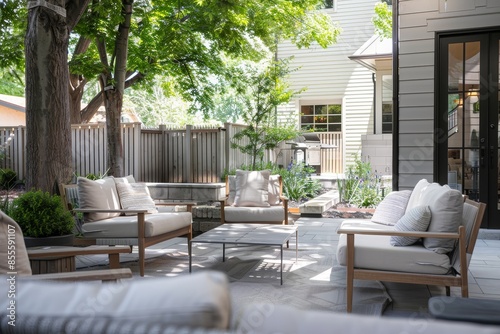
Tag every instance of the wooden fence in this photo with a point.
(190, 154)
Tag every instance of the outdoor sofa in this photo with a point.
(424, 236)
(120, 211)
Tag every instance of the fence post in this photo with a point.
(186, 173)
(227, 145)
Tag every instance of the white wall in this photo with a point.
(330, 76)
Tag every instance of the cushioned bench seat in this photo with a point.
(126, 226)
(253, 214)
(376, 252)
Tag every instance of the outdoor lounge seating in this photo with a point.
(424, 238)
(198, 303)
(254, 197)
(119, 211)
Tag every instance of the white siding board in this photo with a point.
(416, 100)
(416, 73)
(463, 22)
(417, 60)
(420, 6)
(416, 113)
(415, 34)
(416, 126)
(416, 86)
(425, 45)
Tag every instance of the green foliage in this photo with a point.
(360, 186)
(40, 214)
(297, 182)
(268, 89)
(382, 20)
(8, 178)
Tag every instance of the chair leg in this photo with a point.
(142, 255)
(350, 271)
(448, 291)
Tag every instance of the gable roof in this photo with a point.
(373, 49)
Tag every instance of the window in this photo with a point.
(388, 2)
(387, 109)
(327, 4)
(321, 117)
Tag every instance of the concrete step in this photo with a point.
(316, 206)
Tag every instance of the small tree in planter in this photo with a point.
(263, 91)
(43, 219)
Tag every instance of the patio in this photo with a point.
(317, 241)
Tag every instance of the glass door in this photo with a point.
(468, 119)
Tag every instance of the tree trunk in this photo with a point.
(113, 96)
(48, 143)
(113, 102)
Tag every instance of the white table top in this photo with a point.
(252, 234)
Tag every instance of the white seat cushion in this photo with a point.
(126, 226)
(198, 300)
(236, 214)
(376, 252)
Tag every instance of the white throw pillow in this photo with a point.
(125, 179)
(135, 196)
(252, 188)
(416, 194)
(392, 208)
(446, 205)
(274, 190)
(231, 179)
(99, 194)
(417, 219)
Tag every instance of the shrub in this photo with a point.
(8, 178)
(40, 214)
(360, 186)
(297, 182)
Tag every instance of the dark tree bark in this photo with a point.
(48, 143)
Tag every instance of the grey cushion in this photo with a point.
(446, 206)
(13, 255)
(135, 196)
(100, 194)
(198, 300)
(392, 207)
(252, 188)
(376, 252)
(236, 214)
(417, 219)
(126, 226)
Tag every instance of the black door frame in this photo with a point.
(489, 39)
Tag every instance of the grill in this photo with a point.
(307, 148)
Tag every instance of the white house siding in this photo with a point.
(419, 21)
(331, 77)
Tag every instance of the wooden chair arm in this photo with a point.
(63, 251)
(441, 235)
(134, 211)
(89, 275)
(189, 205)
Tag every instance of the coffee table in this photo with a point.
(248, 234)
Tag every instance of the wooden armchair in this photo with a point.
(364, 241)
(250, 199)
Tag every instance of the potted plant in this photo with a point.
(43, 219)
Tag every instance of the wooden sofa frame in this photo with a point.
(454, 279)
(142, 241)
